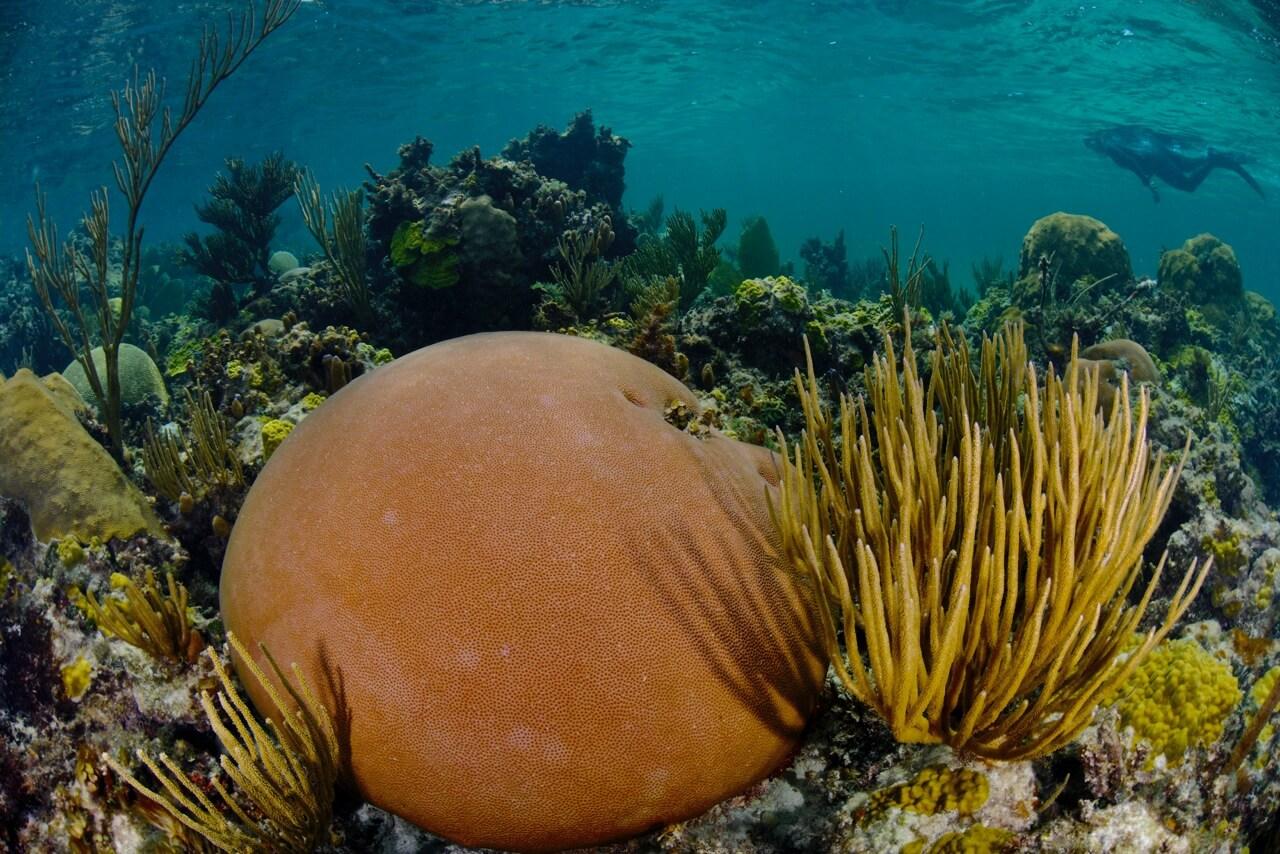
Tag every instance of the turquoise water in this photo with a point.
(966, 117)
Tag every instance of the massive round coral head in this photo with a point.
(544, 614)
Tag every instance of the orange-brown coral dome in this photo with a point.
(545, 615)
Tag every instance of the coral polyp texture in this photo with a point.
(544, 614)
(1179, 698)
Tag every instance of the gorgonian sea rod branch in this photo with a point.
(975, 541)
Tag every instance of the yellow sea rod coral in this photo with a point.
(283, 773)
(154, 620)
(976, 540)
(1179, 698)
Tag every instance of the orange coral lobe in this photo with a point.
(542, 615)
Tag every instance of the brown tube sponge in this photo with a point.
(543, 614)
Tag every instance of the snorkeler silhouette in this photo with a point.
(1181, 162)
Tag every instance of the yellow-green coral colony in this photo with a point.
(933, 790)
(274, 432)
(76, 678)
(1179, 699)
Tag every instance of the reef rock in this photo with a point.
(543, 599)
(580, 156)
(67, 482)
(1204, 271)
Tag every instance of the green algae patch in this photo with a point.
(428, 262)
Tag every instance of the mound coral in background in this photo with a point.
(139, 377)
(543, 597)
(1079, 246)
(1204, 271)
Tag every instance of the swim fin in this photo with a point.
(1235, 163)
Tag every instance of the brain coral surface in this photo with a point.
(544, 616)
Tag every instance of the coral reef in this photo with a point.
(475, 236)
(535, 590)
